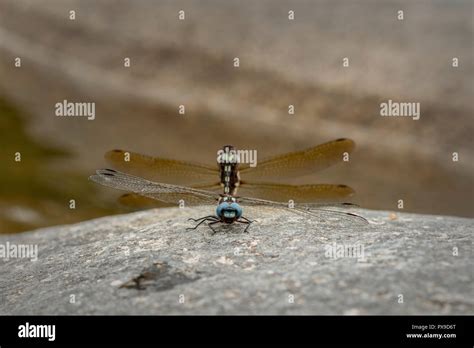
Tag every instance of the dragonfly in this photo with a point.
(170, 181)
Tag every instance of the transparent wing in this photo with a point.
(161, 169)
(298, 163)
(162, 192)
(297, 193)
(320, 211)
(135, 201)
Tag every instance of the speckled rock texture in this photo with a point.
(148, 263)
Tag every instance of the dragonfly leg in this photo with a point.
(206, 218)
(248, 223)
(213, 223)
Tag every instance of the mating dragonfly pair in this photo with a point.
(171, 181)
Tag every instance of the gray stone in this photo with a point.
(147, 263)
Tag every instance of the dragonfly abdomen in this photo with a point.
(229, 171)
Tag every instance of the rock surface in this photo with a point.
(147, 263)
(282, 63)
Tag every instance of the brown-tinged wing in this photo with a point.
(297, 193)
(162, 192)
(161, 169)
(298, 163)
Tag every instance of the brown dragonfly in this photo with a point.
(171, 181)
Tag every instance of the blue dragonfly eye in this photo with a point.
(219, 208)
(230, 211)
(237, 208)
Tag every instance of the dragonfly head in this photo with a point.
(229, 210)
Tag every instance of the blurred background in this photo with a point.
(190, 62)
